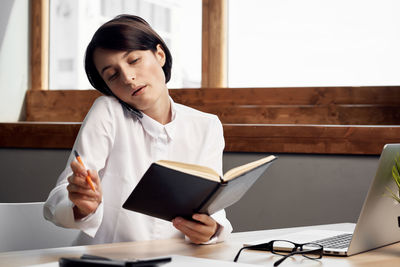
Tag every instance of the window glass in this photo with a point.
(313, 43)
(73, 23)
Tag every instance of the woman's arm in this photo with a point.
(93, 143)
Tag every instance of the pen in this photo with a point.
(88, 179)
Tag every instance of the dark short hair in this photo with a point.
(123, 33)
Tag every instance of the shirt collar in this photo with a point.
(155, 129)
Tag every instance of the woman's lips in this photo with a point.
(138, 90)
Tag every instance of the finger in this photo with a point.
(205, 224)
(94, 176)
(78, 168)
(78, 198)
(205, 219)
(78, 180)
(194, 230)
(73, 188)
(84, 205)
(194, 236)
(81, 175)
(195, 226)
(85, 201)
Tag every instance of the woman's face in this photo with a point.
(136, 77)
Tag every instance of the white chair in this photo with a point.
(22, 227)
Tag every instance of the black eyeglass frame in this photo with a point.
(297, 249)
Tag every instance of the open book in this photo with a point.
(170, 189)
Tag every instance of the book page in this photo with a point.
(235, 172)
(193, 169)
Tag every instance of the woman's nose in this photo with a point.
(128, 77)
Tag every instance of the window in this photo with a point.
(73, 23)
(313, 43)
(345, 107)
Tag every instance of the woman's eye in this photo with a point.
(133, 61)
(112, 77)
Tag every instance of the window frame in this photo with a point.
(243, 137)
(214, 44)
(39, 44)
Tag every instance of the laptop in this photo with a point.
(378, 224)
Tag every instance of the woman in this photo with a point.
(135, 124)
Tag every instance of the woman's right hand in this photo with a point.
(80, 193)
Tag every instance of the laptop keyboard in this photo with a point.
(339, 241)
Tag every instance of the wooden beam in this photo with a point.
(254, 119)
(214, 44)
(39, 21)
(309, 114)
(56, 105)
(363, 95)
(38, 135)
(309, 139)
(330, 105)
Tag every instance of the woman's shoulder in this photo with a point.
(105, 108)
(106, 105)
(105, 101)
(195, 115)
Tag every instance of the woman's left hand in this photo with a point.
(198, 232)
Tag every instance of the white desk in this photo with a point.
(382, 257)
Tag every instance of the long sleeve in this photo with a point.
(93, 143)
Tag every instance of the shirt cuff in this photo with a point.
(225, 227)
(215, 238)
(64, 216)
(91, 223)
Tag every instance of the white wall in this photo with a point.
(14, 58)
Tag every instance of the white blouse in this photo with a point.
(121, 147)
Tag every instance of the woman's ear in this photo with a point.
(160, 55)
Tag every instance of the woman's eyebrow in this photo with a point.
(104, 69)
(127, 53)
(109, 66)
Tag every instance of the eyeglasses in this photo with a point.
(286, 249)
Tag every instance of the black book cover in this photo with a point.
(167, 193)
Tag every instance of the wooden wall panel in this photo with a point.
(331, 120)
(59, 105)
(38, 135)
(311, 139)
(338, 115)
(330, 105)
(376, 95)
